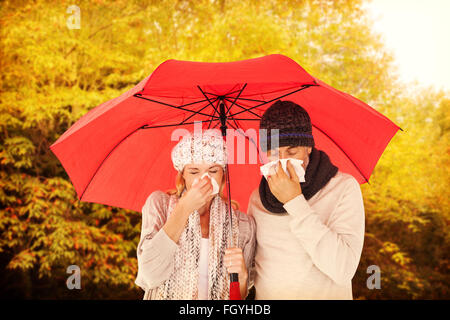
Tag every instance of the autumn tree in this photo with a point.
(51, 75)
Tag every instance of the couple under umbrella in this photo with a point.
(294, 240)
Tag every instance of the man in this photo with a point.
(309, 234)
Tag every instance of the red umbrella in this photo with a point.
(119, 152)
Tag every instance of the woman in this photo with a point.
(184, 248)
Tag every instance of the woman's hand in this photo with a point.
(235, 263)
(283, 187)
(197, 196)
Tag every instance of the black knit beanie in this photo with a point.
(293, 123)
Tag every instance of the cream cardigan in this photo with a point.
(313, 251)
(156, 251)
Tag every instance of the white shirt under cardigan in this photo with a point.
(313, 251)
(203, 269)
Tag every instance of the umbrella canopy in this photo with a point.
(119, 152)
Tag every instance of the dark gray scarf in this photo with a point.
(318, 172)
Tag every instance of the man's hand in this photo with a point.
(283, 187)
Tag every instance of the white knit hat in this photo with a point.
(200, 146)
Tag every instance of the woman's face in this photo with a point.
(196, 170)
(299, 152)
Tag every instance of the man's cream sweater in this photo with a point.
(312, 251)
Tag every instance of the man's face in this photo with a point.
(298, 152)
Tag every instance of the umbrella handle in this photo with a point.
(235, 291)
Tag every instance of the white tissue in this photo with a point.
(270, 168)
(213, 182)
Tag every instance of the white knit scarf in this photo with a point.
(183, 282)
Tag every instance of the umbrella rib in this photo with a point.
(199, 88)
(245, 85)
(216, 124)
(209, 125)
(214, 112)
(198, 112)
(138, 95)
(218, 95)
(167, 125)
(188, 104)
(251, 100)
(240, 91)
(284, 95)
(237, 125)
(183, 105)
(245, 109)
(247, 119)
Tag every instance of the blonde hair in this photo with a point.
(180, 184)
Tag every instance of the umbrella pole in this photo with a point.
(235, 292)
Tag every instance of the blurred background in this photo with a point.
(391, 54)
